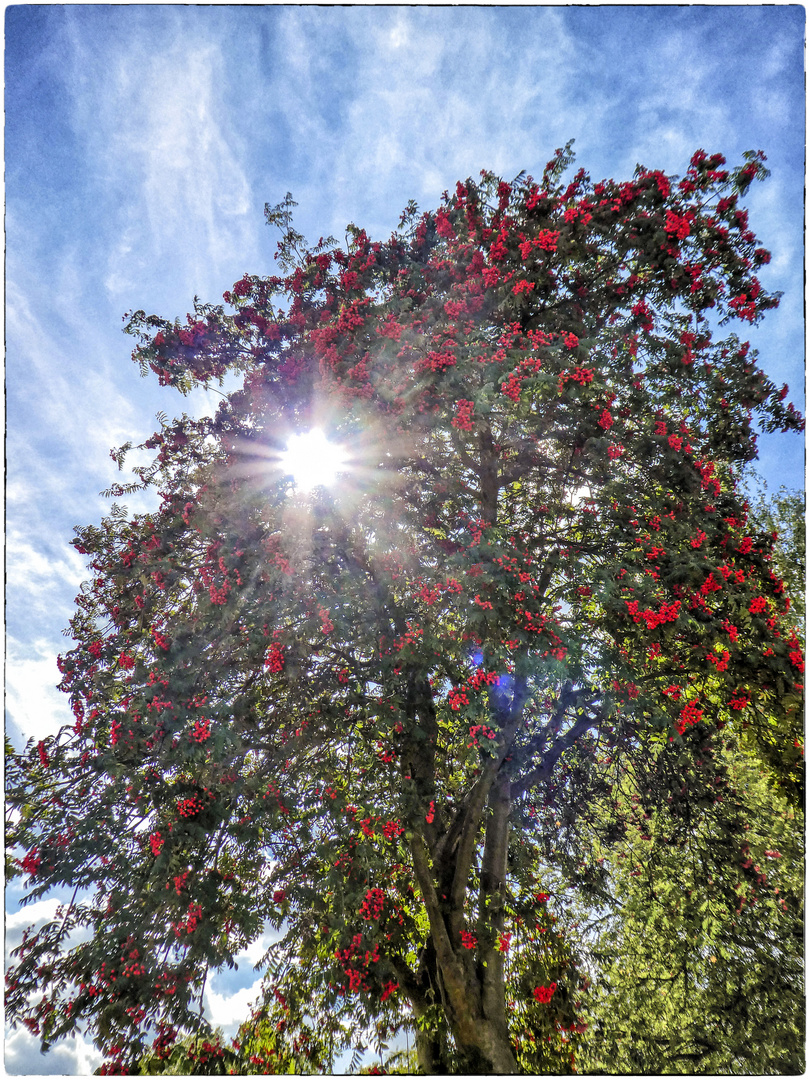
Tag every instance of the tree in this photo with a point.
(697, 944)
(379, 717)
(783, 514)
(699, 959)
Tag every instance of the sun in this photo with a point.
(312, 460)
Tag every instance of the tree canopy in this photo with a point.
(398, 718)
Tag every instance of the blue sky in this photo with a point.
(142, 143)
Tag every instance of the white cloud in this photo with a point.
(225, 1007)
(228, 1010)
(40, 912)
(33, 703)
(256, 950)
(399, 35)
(72, 1057)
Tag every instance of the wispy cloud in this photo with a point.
(156, 132)
(39, 571)
(48, 380)
(429, 106)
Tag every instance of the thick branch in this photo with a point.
(451, 969)
(420, 763)
(470, 824)
(488, 475)
(550, 759)
(409, 984)
(473, 813)
(491, 905)
(567, 698)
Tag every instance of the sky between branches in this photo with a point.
(142, 143)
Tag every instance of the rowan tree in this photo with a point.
(381, 716)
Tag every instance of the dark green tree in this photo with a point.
(380, 717)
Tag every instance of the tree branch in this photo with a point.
(473, 814)
(452, 972)
(550, 759)
(491, 905)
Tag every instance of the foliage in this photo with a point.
(783, 515)
(697, 948)
(700, 960)
(193, 1055)
(385, 720)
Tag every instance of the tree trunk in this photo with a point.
(483, 1039)
(471, 983)
(472, 990)
(431, 1053)
(482, 1047)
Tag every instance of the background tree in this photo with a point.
(783, 513)
(697, 948)
(376, 717)
(698, 953)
